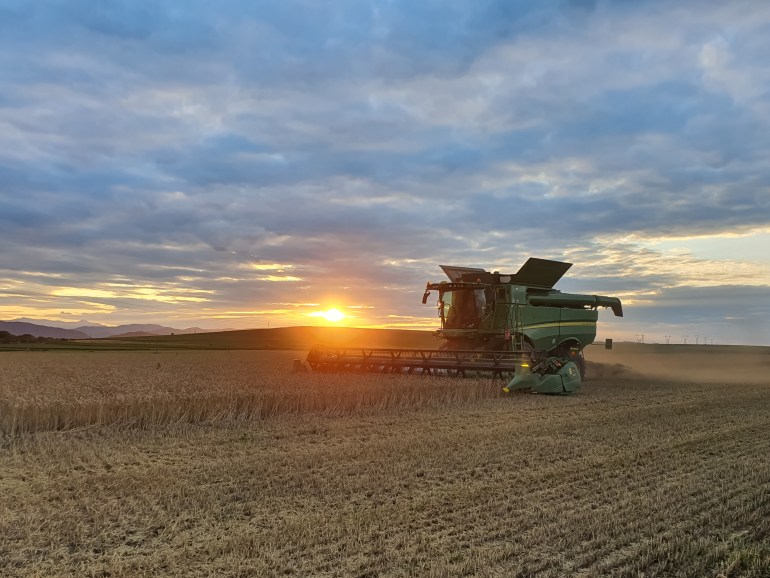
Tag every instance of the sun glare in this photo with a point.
(332, 315)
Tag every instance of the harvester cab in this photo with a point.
(506, 324)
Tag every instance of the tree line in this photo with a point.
(6, 337)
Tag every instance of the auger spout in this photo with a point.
(574, 301)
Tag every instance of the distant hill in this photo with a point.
(22, 328)
(289, 338)
(99, 331)
(92, 331)
(56, 322)
(138, 336)
(134, 334)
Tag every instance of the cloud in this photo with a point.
(359, 144)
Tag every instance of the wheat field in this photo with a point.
(174, 464)
(62, 390)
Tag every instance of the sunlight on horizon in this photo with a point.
(333, 315)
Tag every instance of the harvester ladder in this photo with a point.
(517, 339)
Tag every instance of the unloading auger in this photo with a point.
(513, 326)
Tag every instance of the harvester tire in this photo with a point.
(580, 361)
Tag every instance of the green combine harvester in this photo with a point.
(505, 325)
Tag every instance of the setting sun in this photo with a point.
(333, 315)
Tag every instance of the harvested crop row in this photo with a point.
(626, 478)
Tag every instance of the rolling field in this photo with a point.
(280, 338)
(200, 463)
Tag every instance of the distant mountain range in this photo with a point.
(23, 326)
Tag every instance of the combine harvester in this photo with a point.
(496, 324)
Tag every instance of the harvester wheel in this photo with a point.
(580, 361)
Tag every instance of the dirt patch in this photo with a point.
(726, 364)
(597, 370)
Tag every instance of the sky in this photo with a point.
(241, 164)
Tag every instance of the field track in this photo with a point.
(632, 477)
